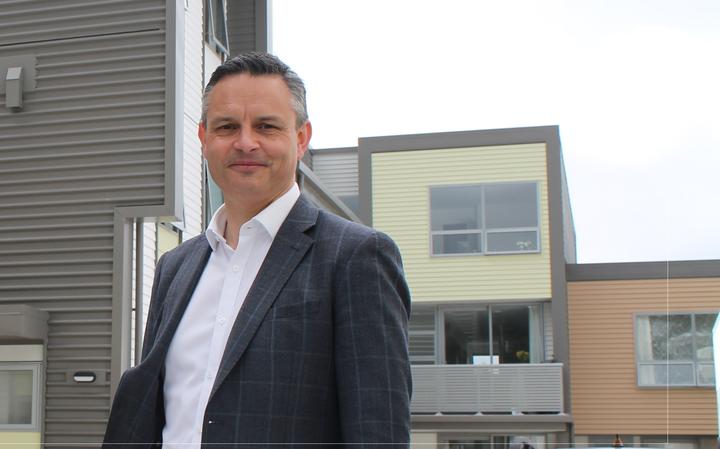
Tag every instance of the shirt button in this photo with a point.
(236, 268)
(209, 376)
(221, 321)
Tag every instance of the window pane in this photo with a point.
(510, 331)
(512, 241)
(219, 22)
(706, 374)
(16, 387)
(703, 336)
(671, 337)
(457, 243)
(662, 374)
(479, 442)
(455, 208)
(467, 337)
(510, 205)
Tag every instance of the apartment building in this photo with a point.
(642, 352)
(483, 221)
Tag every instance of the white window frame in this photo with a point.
(694, 362)
(34, 425)
(483, 231)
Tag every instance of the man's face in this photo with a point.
(250, 138)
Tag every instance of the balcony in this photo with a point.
(488, 389)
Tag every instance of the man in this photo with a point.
(283, 325)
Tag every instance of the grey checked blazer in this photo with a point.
(318, 354)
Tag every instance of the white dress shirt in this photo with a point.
(197, 347)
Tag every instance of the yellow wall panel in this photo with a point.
(401, 208)
(19, 440)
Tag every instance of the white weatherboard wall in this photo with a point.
(401, 208)
(192, 154)
(192, 158)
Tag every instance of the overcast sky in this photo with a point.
(633, 85)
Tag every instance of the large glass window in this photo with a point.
(493, 334)
(18, 396)
(484, 218)
(675, 349)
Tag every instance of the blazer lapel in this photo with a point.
(287, 250)
(181, 289)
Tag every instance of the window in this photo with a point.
(215, 26)
(675, 350)
(484, 219)
(19, 396)
(671, 442)
(493, 334)
(480, 441)
(486, 334)
(213, 196)
(168, 237)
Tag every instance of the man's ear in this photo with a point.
(201, 136)
(304, 134)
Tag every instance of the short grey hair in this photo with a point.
(259, 64)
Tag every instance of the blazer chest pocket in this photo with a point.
(293, 310)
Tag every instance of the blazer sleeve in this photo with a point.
(372, 308)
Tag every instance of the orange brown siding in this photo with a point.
(605, 395)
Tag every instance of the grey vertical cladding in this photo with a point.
(568, 223)
(247, 22)
(90, 138)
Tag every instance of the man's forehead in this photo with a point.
(263, 94)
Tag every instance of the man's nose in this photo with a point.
(245, 139)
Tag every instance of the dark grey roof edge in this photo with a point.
(673, 269)
(458, 139)
(333, 150)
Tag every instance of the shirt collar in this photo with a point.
(270, 218)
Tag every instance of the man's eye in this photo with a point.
(266, 126)
(226, 126)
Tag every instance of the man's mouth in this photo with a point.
(244, 163)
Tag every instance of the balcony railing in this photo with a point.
(488, 389)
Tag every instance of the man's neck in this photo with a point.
(240, 212)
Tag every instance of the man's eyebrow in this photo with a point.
(221, 119)
(269, 118)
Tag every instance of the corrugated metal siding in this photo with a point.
(338, 171)
(605, 396)
(90, 138)
(401, 204)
